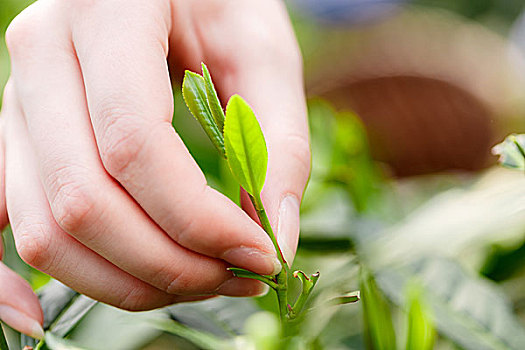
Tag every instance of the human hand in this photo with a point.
(101, 192)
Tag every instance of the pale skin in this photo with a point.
(100, 191)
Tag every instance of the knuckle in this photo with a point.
(276, 43)
(33, 242)
(188, 280)
(72, 203)
(134, 298)
(24, 32)
(185, 230)
(182, 284)
(299, 149)
(122, 139)
(19, 35)
(188, 227)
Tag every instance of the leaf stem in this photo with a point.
(265, 222)
(282, 277)
(238, 272)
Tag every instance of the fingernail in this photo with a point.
(253, 259)
(288, 228)
(242, 287)
(21, 322)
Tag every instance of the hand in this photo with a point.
(101, 192)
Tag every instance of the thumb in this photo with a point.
(276, 95)
(266, 70)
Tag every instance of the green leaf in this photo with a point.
(213, 99)
(194, 94)
(63, 309)
(245, 146)
(54, 342)
(242, 273)
(222, 317)
(512, 152)
(468, 310)
(201, 339)
(379, 329)
(308, 284)
(420, 328)
(75, 312)
(3, 341)
(348, 298)
(264, 330)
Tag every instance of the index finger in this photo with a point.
(130, 103)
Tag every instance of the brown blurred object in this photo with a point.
(434, 91)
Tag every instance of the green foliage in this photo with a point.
(54, 342)
(213, 99)
(379, 330)
(471, 312)
(512, 152)
(348, 298)
(504, 262)
(3, 341)
(63, 310)
(202, 339)
(242, 273)
(262, 329)
(420, 330)
(194, 93)
(307, 283)
(340, 154)
(245, 146)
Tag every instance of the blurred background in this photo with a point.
(407, 98)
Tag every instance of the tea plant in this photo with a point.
(238, 138)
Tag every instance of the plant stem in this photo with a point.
(261, 213)
(282, 277)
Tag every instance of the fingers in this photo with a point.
(44, 245)
(130, 104)
(84, 200)
(268, 74)
(19, 306)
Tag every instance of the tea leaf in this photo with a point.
(222, 317)
(194, 94)
(471, 312)
(379, 328)
(63, 309)
(72, 315)
(213, 99)
(245, 146)
(512, 152)
(348, 298)
(420, 330)
(242, 273)
(201, 339)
